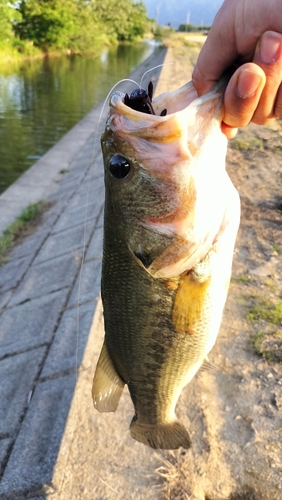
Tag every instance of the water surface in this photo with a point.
(41, 100)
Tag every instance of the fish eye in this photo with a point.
(119, 167)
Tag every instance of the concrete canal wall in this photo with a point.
(39, 350)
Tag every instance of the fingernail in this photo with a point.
(247, 84)
(269, 47)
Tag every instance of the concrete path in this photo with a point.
(39, 346)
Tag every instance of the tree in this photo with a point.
(75, 24)
(7, 17)
(57, 24)
(125, 20)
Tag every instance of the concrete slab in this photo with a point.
(95, 248)
(17, 375)
(65, 242)
(4, 298)
(12, 272)
(31, 244)
(77, 216)
(37, 498)
(47, 277)
(63, 195)
(5, 445)
(100, 221)
(88, 194)
(94, 163)
(31, 324)
(54, 212)
(34, 454)
(70, 340)
(71, 181)
(87, 285)
(70, 176)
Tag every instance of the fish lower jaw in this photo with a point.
(167, 435)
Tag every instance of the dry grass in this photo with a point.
(176, 475)
(178, 484)
(186, 40)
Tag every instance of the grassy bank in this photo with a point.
(23, 226)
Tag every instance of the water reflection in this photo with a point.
(41, 100)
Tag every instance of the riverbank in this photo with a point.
(54, 444)
(42, 100)
(15, 58)
(40, 353)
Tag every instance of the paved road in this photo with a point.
(39, 287)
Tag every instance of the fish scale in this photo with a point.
(170, 225)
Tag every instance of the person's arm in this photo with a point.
(247, 33)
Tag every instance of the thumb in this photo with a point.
(218, 53)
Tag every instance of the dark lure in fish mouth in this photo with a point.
(140, 100)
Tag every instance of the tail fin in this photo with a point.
(167, 436)
(107, 385)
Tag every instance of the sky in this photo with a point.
(198, 12)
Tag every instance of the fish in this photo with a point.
(170, 224)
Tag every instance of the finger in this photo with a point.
(242, 95)
(217, 54)
(268, 56)
(278, 103)
(230, 132)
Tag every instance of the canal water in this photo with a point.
(41, 100)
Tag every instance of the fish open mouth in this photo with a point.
(170, 102)
(186, 116)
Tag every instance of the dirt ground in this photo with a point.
(234, 412)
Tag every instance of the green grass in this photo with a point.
(251, 145)
(271, 284)
(268, 339)
(268, 345)
(266, 311)
(22, 226)
(243, 278)
(277, 248)
(257, 341)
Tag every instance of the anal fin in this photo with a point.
(107, 385)
(207, 365)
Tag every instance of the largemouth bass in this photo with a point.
(171, 219)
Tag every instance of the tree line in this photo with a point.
(73, 25)
(191, 28)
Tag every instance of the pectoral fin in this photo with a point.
(189, 304)
(107, 385)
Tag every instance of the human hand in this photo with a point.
(240, 34)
